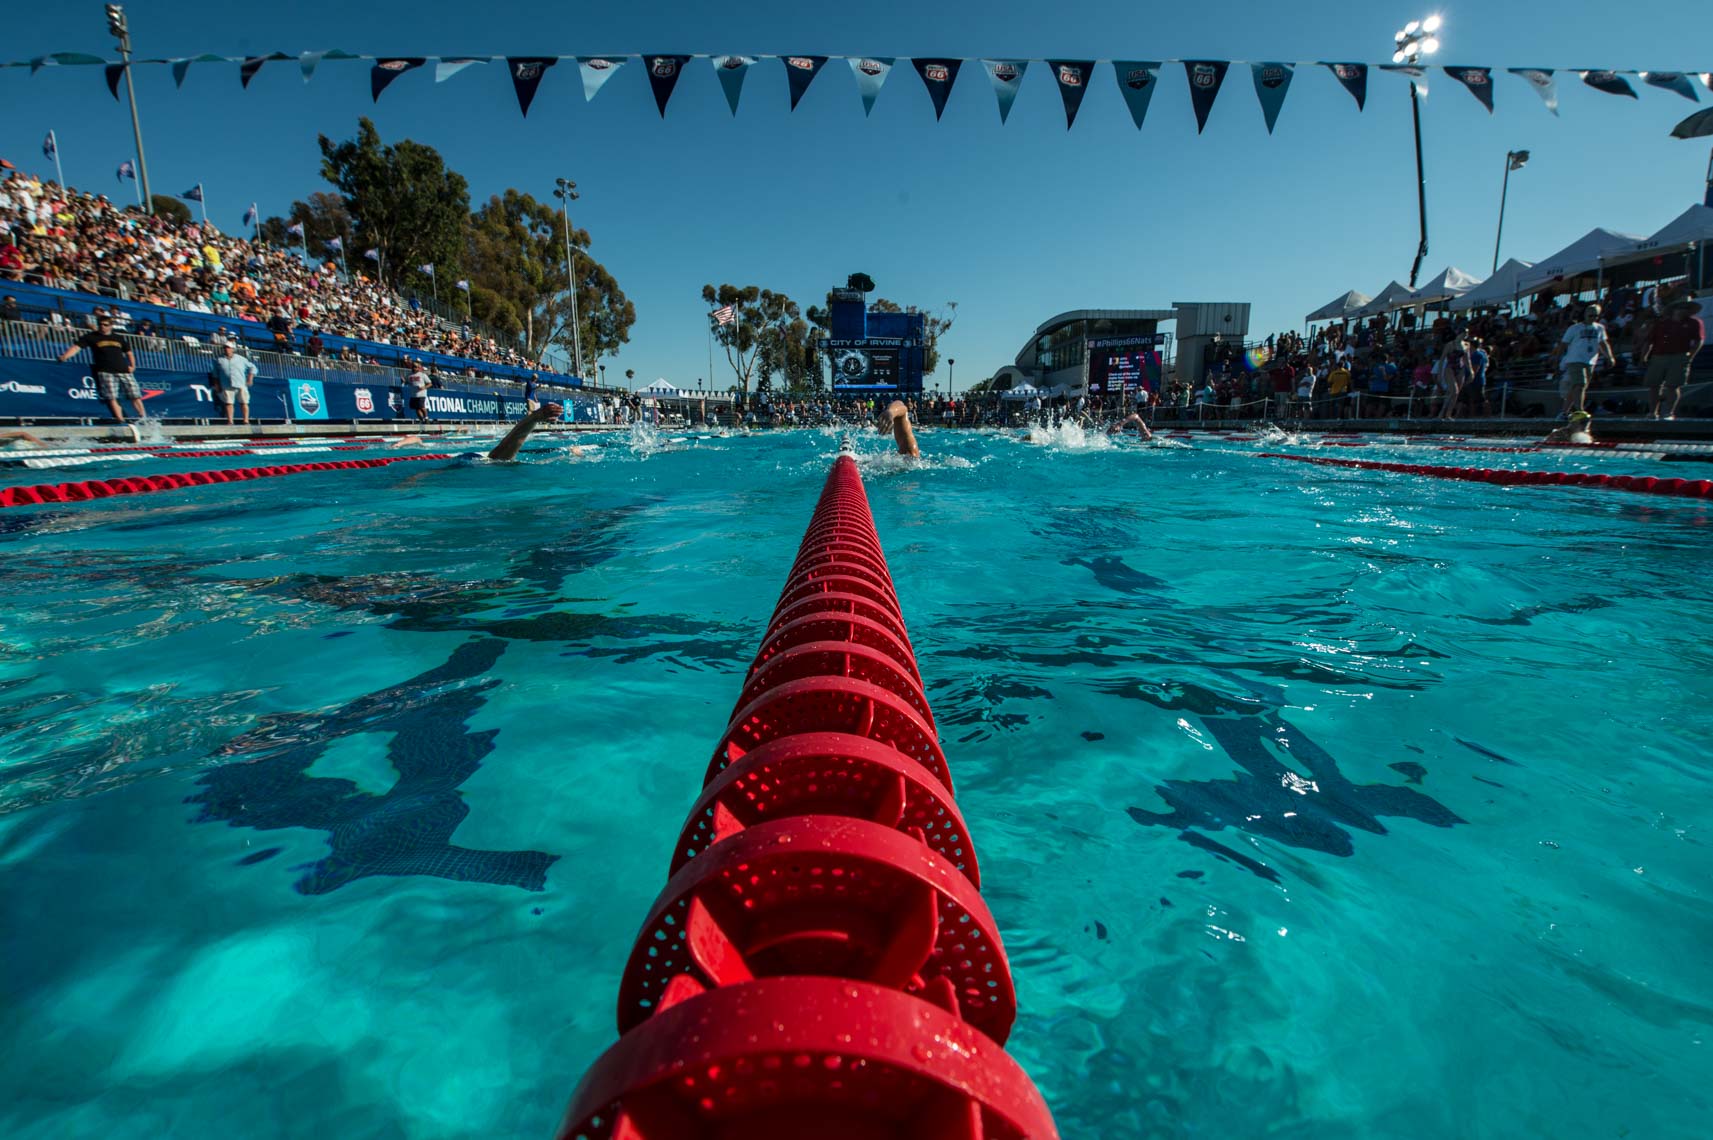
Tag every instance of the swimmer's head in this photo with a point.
(1580, 418)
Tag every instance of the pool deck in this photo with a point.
(1610, 428)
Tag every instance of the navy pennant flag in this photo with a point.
(307, 62)
(1007, 77)
(1354, 77)
(387, 70)
(731, 69)
(194, 194)
(800, 71)
(127, 170)
(527, 73)
(114, 72)
(247, 70)
(1610, 82)
(1671, 81)
(1540, 78)
(1072, 76)
(1137, 79)
(663, 72)
(1205, 76)
(870, 73)
(938, 75)
(1479, 80)
(597, 69)
(1272, 81)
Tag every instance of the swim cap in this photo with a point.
(1574, 416)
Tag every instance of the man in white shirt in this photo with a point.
(1582, 347)
(416, 388)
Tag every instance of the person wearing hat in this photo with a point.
(114, 366)
(1579, 352)
(1580, 429)
(1669, 351)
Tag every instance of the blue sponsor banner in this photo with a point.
(38, 389)
(308, 399)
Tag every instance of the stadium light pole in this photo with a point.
(1418, 38)
(951, 383)
(566, 192)
(121, 31)
(1514, 160)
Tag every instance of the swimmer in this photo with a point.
(507, 448)
(19, 439)
(407, 441)
(897, 419)
(1578, 430)
(1142, 431)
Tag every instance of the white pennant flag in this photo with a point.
(1543, 83)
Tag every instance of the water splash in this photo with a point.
(1067, 436)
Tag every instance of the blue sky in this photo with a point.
(1015, 223)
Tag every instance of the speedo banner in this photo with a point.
(44, 390)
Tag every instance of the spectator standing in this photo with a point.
(1478, 359)
(114, 365)
(1579, 351)
(317, 346)
(1670, 351)
(1338, 387)
(416, 387)
(9, 310)
(232, 375)
(280, 325)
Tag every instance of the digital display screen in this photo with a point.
(865, 369)
(1114, 372)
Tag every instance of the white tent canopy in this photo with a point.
(1340, 307)
(1393, 296)
(1020, 392)
(1693, 225)
(1449, 284)
(658, 388)
(1499, 289)
(1584, 255)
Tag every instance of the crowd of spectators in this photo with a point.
(84, 242)
(1383, 368)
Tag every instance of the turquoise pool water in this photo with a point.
(1311, 802)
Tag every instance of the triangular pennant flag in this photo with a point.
(870, 74)
(1479, 80)
(526, 73)
(1672, 81)
(597, 69)
(938, 75)
(307, 62)
(1415, 74)
(180, 68)
(114, 72)
(387, 70)
(247, 70)
(1354, 77)
(1610, 82)
(731, 69)
(1072, 76)
(1007, 77)
(1272, 81)
(37, 63)
(800, 71)
(1137, 79)
(1540, 78)
(446, 68)
(1205, 76)
(663, 73)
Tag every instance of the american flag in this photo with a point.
(725, 316)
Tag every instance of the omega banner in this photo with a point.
(34, 389)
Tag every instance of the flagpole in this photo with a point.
(59, 173)
(202, 201)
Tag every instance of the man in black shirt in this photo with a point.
(114, 366)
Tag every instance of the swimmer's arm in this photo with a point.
(508, 447)
(898, 418)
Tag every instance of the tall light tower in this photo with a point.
(1418, 38)
(567, 193)
(121, 31)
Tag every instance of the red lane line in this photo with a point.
(148, 484)
(1682, 488)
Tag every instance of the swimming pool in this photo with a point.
(1309, 800)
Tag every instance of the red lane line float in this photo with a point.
(823, 895)
(827, 773)
(820, 963)
(146, 484)
(1684, 488)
